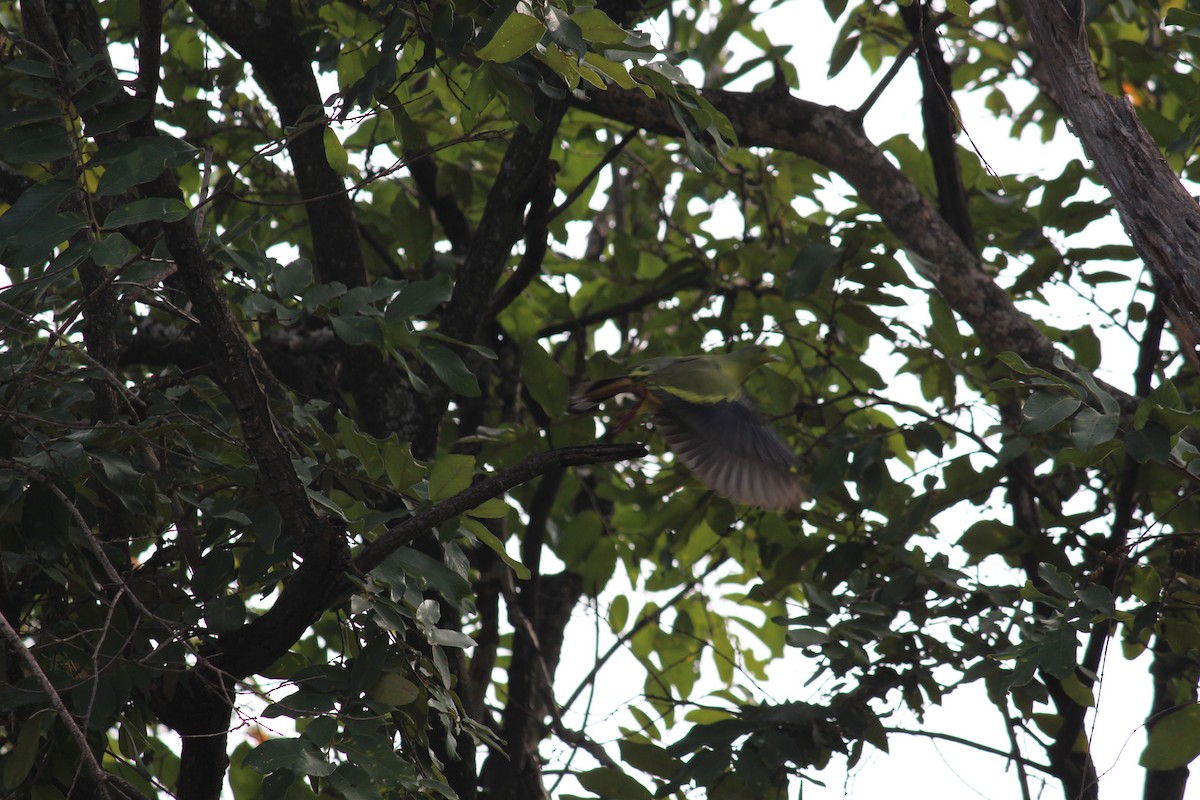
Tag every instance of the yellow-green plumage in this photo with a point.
(711, 426)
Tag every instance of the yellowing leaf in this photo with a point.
(393, 690)
(336, 153)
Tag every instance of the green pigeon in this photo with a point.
(709, 423)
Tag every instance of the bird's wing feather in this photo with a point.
(733, 452)
(733, 427)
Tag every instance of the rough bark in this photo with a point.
(835, 138)
(1161, 218)
(522, 175)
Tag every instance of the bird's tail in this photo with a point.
(592, 394)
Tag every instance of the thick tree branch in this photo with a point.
(31, 663)
(937, 114)
(149, 52)
(454, 223)
(399, 535)
(521, 175)
(268, 39)
(537, 243)
(1161, 218)
(834, 138)
(309, 594)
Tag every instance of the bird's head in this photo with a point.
(754, 355)
(741, 362)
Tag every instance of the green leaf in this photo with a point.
(1098, 599)
(450, 475)
(518, 94)
(564, 32)
(598, 28)
(113, 250)
(32, 222)
(1091, 428)
(1044, 410)
(615, 72)
(393, 690)
(613, 785)
(357, 330)
(138, 161)
(293, 278)
(335, 152)
(544, 379)
(1151, 443)
(447, 638)
(363, 447)
(944, 332)
(987, 537)
(449, 368)
(1058, 582)
(19, 760)
(26, 66)
(1056, 653)
(517, 36)
(649, 758)
(480, 532)
(1174, 740)
(161, 209)
(117, 116)
(398, 462)
(298, 755)
(809, 267)
(420, 298)
(842, 53)
(36, 144)
(618, 613)
(1145, 583)
(1075, 690)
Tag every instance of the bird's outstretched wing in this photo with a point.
(733, 451)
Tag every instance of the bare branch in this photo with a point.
(399, 535)
(31, 663)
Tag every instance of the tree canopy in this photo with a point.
(296, 295)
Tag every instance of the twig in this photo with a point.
(641, 623)
(397, 536)
(89, 758)
(609, 157)
(1016, 757)
(894, 70)
(949, 737)
(523, 623)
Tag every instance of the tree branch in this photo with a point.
(310, 592)
(937, 114)
(268, 39)
(1160, 216)
(948, 737)
(56, 702)
(521, 175)
(834, 138)
(149, 52)
(401, 534)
